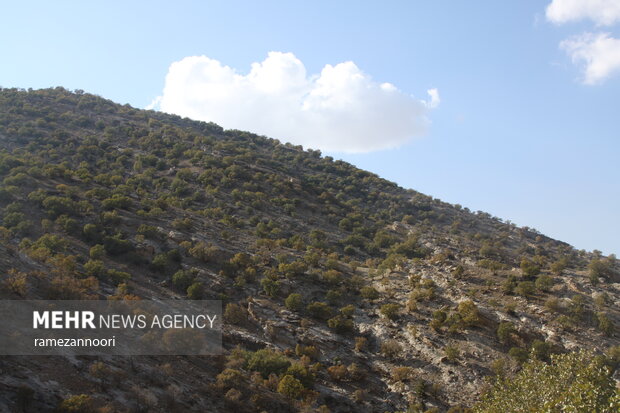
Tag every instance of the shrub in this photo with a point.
(392, 262)
(301, 373)
(525, 288)
(505, 330)
(204, 252)
(544, 283)
(92, 232)
(294, 302)
(148, 231)
(369, 293)
(573, 382)
(333, 296)
(234, 314)
(452, 353)
(541, 350)
(332, 277)
(182, 280)
(290, 387)
(17, 282)
(94, 268)
(553, 304)
(52, 242)
(195, 291)
(491, 264)
(559, 266)
(270, 286)
(319, 310)
(605, 324)
(118, 276)
(117, 245)
(577, 306)
(338, 372)
(519, 354)
(402, 373)
(116, 201)
(308, 351)
(97, 252)
(56, 206)
(267, 361)
(360, 343)
(600, 267)
(391, 348)
(341, 324)
(390, 311)
(439, 317)
(469, 313)
(347, 311)
(81, 403)
(529, 268)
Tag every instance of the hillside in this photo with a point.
(367, 296)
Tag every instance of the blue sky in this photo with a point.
(521, 130)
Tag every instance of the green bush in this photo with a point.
(573, 382)
(541, 350)
(267, 361)
(81, 403)
(605, 324)
(505, 331)
(369, 293)
(270, 286)
(116, 201)
(290, 387)
(234, 314)
(319, 310)
(301, 373)
(97, 252)
(390, 311)
(519, 354)
(525, 288)
(470, 316)
(116, 245)
(544, 283)
(182, 280)
(600, 267)
(341, 324)
(118, 276)
(294, 302)
(529, 268)
(95, 268)
(195, 291)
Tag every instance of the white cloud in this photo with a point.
(340, 109)
(599, 54)
(602, 12)
(434, 95)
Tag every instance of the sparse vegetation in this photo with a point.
(324, 269)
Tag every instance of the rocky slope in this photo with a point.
(343, 291)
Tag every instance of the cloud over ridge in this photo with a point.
(340, 109)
